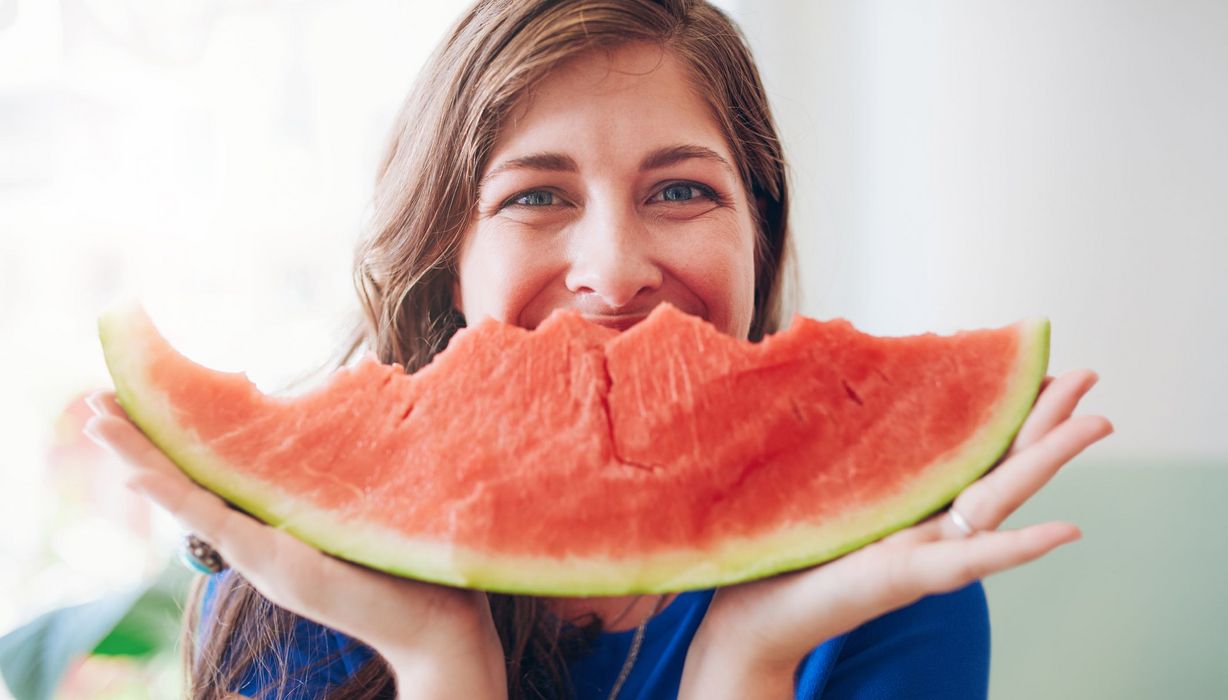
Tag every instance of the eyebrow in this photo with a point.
(558, 162)
(665, 157)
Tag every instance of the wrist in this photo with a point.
(421, 675)
(731, 670)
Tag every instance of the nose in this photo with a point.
(612, 257)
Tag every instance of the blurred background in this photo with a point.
(955, 164)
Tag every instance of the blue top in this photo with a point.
(936, 648)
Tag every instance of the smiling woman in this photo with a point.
(604, 157)
(612, 192)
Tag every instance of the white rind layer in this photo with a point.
(125, 329)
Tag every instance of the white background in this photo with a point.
(966, 163)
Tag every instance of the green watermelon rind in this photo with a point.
(937, 486)
(123, 327)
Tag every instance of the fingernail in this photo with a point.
(91, 432)
(94, 404)
(1075, 534)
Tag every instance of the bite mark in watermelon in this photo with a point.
(577, 460)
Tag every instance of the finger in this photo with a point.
(153, 473)
(103, 403)
(949, 565)
(993, 498)
(136, 452)
(273, 561)
(927, 530)
(1058, 398)
(876, 580)
(945, 566)
(288, 572)
(1056, 402)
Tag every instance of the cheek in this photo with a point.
(499, 274)
(717, 265)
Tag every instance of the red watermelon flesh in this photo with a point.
(577, 460)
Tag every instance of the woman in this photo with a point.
(602, 156)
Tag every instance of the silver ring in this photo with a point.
(961, 523)
(197, 555)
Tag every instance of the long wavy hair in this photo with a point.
(405, 266)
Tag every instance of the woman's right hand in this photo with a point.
(440, 641)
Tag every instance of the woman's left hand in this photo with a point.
(755, 634)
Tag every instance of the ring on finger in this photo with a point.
(961, 523)
(199, 556)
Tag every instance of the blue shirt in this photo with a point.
(935, 648)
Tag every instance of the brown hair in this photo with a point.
(405, 267)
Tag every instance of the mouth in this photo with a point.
(619, 323)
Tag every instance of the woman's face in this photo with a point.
(611, 189)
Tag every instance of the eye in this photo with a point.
(683, 192)
(535, 198)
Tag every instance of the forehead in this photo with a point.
(612, 100)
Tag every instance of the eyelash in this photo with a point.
(704, 191)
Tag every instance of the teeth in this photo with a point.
(619, 322)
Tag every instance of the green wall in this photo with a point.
(1139, 607)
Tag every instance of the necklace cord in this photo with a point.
(634, 651)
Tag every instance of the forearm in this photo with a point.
(716, 672)
(426, 678)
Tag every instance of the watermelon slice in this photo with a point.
(577, 460)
